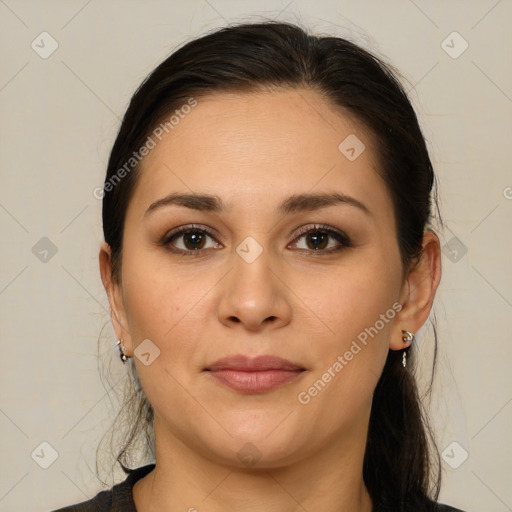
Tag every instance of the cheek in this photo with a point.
(159, 300)
(355, 296)
(358, 344)
(359, 307)
(168, 306)
(350, 361)
(166, 311)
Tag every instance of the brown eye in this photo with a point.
(193, 240)
(187, 240)
(317, 240)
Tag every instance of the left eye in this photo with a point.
(317, 239)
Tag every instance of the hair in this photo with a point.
(401, 467)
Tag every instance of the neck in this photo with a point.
(184, 479)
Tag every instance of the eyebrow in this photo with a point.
(294, 203)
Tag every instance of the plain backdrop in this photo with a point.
(60, 113)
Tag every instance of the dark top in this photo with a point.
(117, 499)
(120, 497)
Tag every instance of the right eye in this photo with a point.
(191, 238)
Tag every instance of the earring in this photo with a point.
(122, 351)
(406, 338)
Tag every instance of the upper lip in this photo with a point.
(248, 364)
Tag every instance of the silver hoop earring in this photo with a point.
(122, 351)
(407, 337)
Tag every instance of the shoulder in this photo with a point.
(102, 502)
(424, 506)
(117, 499)
(446, 508)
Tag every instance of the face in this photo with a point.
(314, 282)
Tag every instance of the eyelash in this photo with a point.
(341, 237)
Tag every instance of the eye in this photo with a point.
(192, 240)
(316, 239)
(188, 240)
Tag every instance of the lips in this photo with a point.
(256, 375)
(260, 363)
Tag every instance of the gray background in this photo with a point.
(59, 117)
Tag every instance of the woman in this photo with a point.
(268, 259)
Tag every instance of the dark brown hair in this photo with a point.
(399, 470)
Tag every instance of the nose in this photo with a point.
(254, 297)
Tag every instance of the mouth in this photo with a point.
(256, 375)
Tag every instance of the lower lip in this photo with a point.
(255, 381)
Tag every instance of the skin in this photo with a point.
(253, 151)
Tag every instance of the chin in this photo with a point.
(256, 448)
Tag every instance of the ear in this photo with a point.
(115, 297)
(418, 291)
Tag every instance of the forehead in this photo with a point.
(249, 147)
